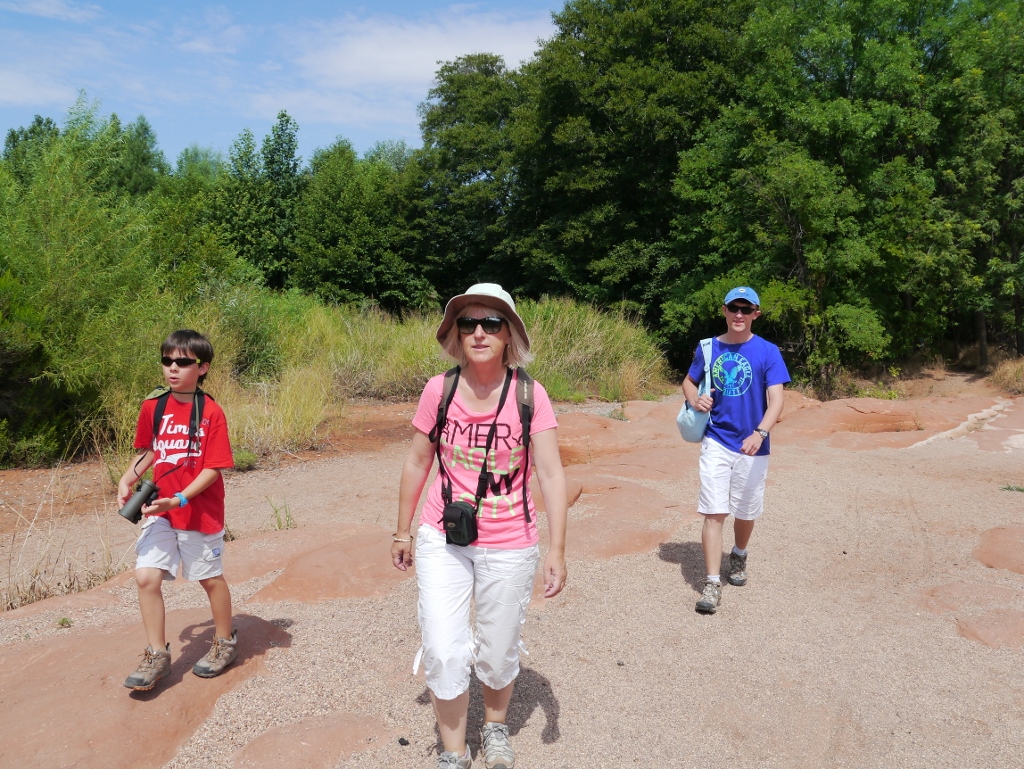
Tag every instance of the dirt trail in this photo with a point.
(883, 624)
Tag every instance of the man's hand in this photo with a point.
(752, 444)
(704, 402)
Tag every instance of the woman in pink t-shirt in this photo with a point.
(481, 449)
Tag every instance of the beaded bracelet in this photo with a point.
(395, 538)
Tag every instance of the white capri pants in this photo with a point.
(449, 577)
(731, 482)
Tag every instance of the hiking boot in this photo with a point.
(737, 569)
(452, 760)
(498, 754)
(221, 654)
(154, 666)
(708, 603)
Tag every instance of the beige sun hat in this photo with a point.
(489, 295)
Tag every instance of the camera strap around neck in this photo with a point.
(481, 486)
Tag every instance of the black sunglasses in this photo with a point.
(179, 362)
(746, 309)
(490, 325)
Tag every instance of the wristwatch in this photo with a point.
(762, 433)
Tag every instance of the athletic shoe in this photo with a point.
(709, 600)
(223, 652)
(498, 754)
(154, 666)
(451, 760)
(737, 569)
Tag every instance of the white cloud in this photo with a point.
(357, 53)
(215, 34)
(53, 9)
(18, 89)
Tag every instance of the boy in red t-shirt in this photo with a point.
(185, 524)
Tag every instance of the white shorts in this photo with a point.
(730, 482)
(449, 577)
(161, 547)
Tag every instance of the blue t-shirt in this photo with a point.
(740, 376)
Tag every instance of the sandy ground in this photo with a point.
(883, 624)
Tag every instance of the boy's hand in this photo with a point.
(124, 493)
(164, 505)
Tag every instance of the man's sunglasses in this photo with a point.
(490, 325)
(746, 309)
(179, 362)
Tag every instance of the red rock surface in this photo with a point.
(313, 743)
(1002, 548)
(63, 702)
(889, 558)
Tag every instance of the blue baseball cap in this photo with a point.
(742, 292)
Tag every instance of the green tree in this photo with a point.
(76, 286)
(460, 186)
(613, 97)
(980, 107)
(23, 145)
(137, 164)
(349, 233)
(820, 183)
(256, 206)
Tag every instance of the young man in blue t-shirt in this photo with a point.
(747, 377)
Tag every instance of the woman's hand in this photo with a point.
(554, 573)
(401, 554)
(410, 487)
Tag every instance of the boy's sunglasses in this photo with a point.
(746, 309)
(179, 362)
(490, 325)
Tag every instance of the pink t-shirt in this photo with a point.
(500, 522)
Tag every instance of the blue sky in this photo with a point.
(201, 72)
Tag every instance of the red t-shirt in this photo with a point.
(176, 465)
(500, 521)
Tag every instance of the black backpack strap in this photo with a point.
(158, 410)
(524, 400)
(162, 395)
(451, 383)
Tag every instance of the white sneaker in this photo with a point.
(452, 760)
(498, 754)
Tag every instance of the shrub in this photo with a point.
(1009, 375)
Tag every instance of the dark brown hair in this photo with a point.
(191, 342)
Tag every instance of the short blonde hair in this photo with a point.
(516, 352)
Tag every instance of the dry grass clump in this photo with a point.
(1009, 375)
(42, 561)
(581, 350)
(286, 363)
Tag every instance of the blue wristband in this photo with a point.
(181, 497)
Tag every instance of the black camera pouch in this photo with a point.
(459, 521)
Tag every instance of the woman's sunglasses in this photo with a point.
(490, 325)
(179, 362)
(746, 309)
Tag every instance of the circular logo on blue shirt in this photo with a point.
(732, 374)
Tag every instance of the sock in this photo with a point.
(717, 579)
(738, 551)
